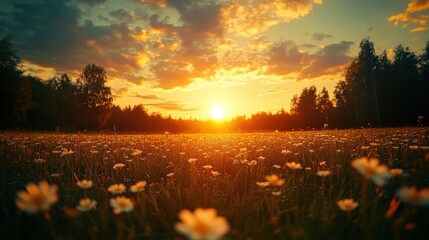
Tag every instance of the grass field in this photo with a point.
(231, 173)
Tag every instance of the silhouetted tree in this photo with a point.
(66, 97)
(343, 116)
(44, 115)
(15, 90)
(307, 108)
(405, 67)
(423, 93)
(362, 83)
(95, 97)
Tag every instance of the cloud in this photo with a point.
(51, 34)
(413, 15)
(246, 18)
(328, 60)
(320, 36)
(147, 97)
(286, 58)
(122, 15)
(172, 105)
(188, 51)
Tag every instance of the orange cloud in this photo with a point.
(249, 17)
(413, 15)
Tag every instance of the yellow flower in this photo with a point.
(372, 169)
(323, 173)
(413, 196)
(138, 187)
(395, 171)
(294, 165)
(215, 173)
(85, 184)
(118, 166)
(86, 205)
(263, 184)
(202, 224)
(347, 204)
(116, 188)
(37, 197)
(121, 204)
(170, 174)
(207, 166)
(275, 180)
(276, 194)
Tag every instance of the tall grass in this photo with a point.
(305, 209)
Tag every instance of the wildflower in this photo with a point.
(86, 205)
(294, 165)
(252, 163)
(136, 152)
(322, 163)
(192, 160)
(275, 180)
(207, 167)
(138, 187)
(276, 166)
(323, 173)
(202, 224)
(285, 152)
(37, 197)
(116, 188)
(413, 196)
(413, 147)
(276, 194)
(347, 204)
(39, 160)
(395, 171)
(263, 184)
(118, 166)
(215, 173)
(261, 158)
(371, 169)
(85, 184)
(170, 174)
(121, 204)
(64, 152)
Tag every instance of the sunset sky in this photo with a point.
(183, 57)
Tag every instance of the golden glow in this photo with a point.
(218, 112)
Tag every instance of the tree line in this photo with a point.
(377, 91)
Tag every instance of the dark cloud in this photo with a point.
(147, 97)
(172, 105)
(91, 2)
(308, 45)
(320, 36)
(122, 15)
(327, 60)
(285, 58)
(48, 33)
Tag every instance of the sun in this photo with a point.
(218, 112)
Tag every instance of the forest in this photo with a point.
(377, 91)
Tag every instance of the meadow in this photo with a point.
(276, 185)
